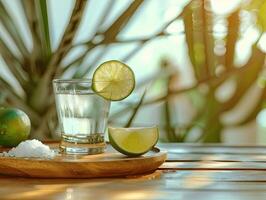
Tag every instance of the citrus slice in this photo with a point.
(133, 141)
(113, 80)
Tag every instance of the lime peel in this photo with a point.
(133, 141)
(14, 126)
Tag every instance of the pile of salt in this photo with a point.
(31, 148)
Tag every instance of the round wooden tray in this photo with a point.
(108, 164)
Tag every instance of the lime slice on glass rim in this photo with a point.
(113, 80)
(133, 141)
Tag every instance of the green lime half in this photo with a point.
(113, 80)
(133, 141)
(14, 126)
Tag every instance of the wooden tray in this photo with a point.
(109, 164)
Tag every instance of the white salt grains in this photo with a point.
(31, 148)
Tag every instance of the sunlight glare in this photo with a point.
(224, 7)
(132, 195)
(261, 118)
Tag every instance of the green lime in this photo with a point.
(133, 141)
(113, 80)
(14, 126)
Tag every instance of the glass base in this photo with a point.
(81, 145)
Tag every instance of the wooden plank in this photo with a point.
(212, 165)
(172, 185)
(203, 145)
(201, 149)
(128, 192)
(217, 175)
(191, 157)
(210, 173)
(194, 153)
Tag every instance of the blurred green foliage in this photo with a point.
(35, 70)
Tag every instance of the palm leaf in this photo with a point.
(89, 44)
(38, 100)
(254, 112)
(248, 75)
(12, 28)
(36, 14)
(188, 23)
(42, 5)
(88, 68)
(111, 32)
(13, 63)
(135, 110)
(231, 39)
(67, 38)
(209, 66)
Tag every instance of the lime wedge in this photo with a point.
(133, 141)
(113, 80)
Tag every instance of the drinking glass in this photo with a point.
(82, 116)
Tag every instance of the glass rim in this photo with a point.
(57, 82)
(80, 80)
(62, 80)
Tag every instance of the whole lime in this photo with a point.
(14, 126)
